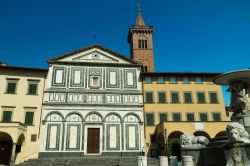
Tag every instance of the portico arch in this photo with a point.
(202, 133)
(174, 144)
(221, 134)
(6, 143)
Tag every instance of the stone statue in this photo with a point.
(240, 101)
(192, 141)
(237, 133)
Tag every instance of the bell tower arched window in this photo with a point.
(142, 44)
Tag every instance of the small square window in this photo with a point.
(160, 80)
(33, 137)
(173, 80)
(198, 80)
(148, 80)
(186, 80)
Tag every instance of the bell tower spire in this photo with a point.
(139, 19)
(140, 38)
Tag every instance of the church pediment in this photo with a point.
(93, 54)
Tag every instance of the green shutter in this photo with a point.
(188, 97)
(32, 89)
(163, 117)
(29, 118)
(176, 117)
(190, 117)
(11, 87)
(149, 97)
(150, 119)
(175, 97)
(162, 97)
(216, 117)
(201, 97)
(7, 116)
(213, 98)
(203, 117)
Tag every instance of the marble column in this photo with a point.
(13, 154)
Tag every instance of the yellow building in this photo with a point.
(177, 103)
(20, 111)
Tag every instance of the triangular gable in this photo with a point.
(93, 54)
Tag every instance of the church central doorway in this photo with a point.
(93, 142)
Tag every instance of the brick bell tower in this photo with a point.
(140, 38)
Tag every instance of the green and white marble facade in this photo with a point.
(72, 104)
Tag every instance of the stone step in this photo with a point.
(83, 161)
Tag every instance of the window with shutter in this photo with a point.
(29, 118)
(7, 116)
(190, 117)
(162, 97)
(11, 88)
(188, 97)
(213, 97)
(149, 97)
(175, 97)
(176, 117)
(163, 117)
(150, 119)
(216, 117)
(201, 97)
(32, 90)
(203, 117)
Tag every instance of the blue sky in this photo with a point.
(194, 35)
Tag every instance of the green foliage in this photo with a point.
(169, 145)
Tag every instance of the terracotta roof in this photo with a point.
(24, 68)
(208, 74)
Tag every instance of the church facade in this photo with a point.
(92, 104)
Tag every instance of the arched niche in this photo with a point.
(131, 118)
(54, 117)
(73, 117)
(114, 118)
(93, 118)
